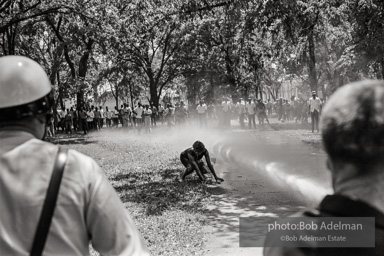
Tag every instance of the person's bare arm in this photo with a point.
(210, 166)
(196, 167)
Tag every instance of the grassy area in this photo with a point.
(145, 172)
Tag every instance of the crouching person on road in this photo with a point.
(191, 158)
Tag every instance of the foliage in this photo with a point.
(219, 48)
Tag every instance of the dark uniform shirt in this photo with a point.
(335, 206)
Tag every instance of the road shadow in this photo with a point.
(70, 139)
(226, 215)
(290, 126)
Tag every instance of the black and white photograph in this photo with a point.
(192, 127)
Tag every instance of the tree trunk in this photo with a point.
(95, 93)
(312, 62)
(211, 91)
(83, 68)
(324, 93)
(256, 90)
(11, 34)
(153, 91)
(61, 96)
(131, 94)
(261, 92)
(117, 98)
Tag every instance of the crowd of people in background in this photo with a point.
(147, 116)
(96, 118)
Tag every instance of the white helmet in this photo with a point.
(24, 88)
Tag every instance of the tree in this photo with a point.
(151, 40)
(79, 32)
(367, 18)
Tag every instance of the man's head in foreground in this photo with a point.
(352, 127)
(25, 95)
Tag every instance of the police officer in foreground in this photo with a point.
(352, 127)
(87, 208)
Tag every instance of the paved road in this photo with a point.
(267, 174)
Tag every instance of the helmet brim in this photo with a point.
(38, 107)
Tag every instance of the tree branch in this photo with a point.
(65, 46)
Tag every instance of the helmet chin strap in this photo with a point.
(45, 133)
(43, 120)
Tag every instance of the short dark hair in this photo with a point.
(352, 123)
(198, 145)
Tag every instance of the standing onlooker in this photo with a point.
(240, 107)
(251, 107)
(297, 106)
(50, 124)
(126, 115)
(285, 110)
(226, 114)
(269, 106)
(161, 113)
(115, 117)
(139, 116)
(97, 118)
(304, 112)
(154, 114)
(90, 117)
(184, 111)
(212, 112)
(147, 113)
(68, 122)
(168, 115)
(178, 114)
(61, 120)
(219, 114)
(108, 117)
(83, 118)
(202, 112)
(289, 110)
(279, 109)
(102, 116)
(121, 115)
(315, 110)
(79, 122)
(261, 113)
(75, 118)
(173, 108)
(133, 117)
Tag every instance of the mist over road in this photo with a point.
(267, 174)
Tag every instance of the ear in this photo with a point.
(42, 118)
(330, 167)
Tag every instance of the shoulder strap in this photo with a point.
(49, 203)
